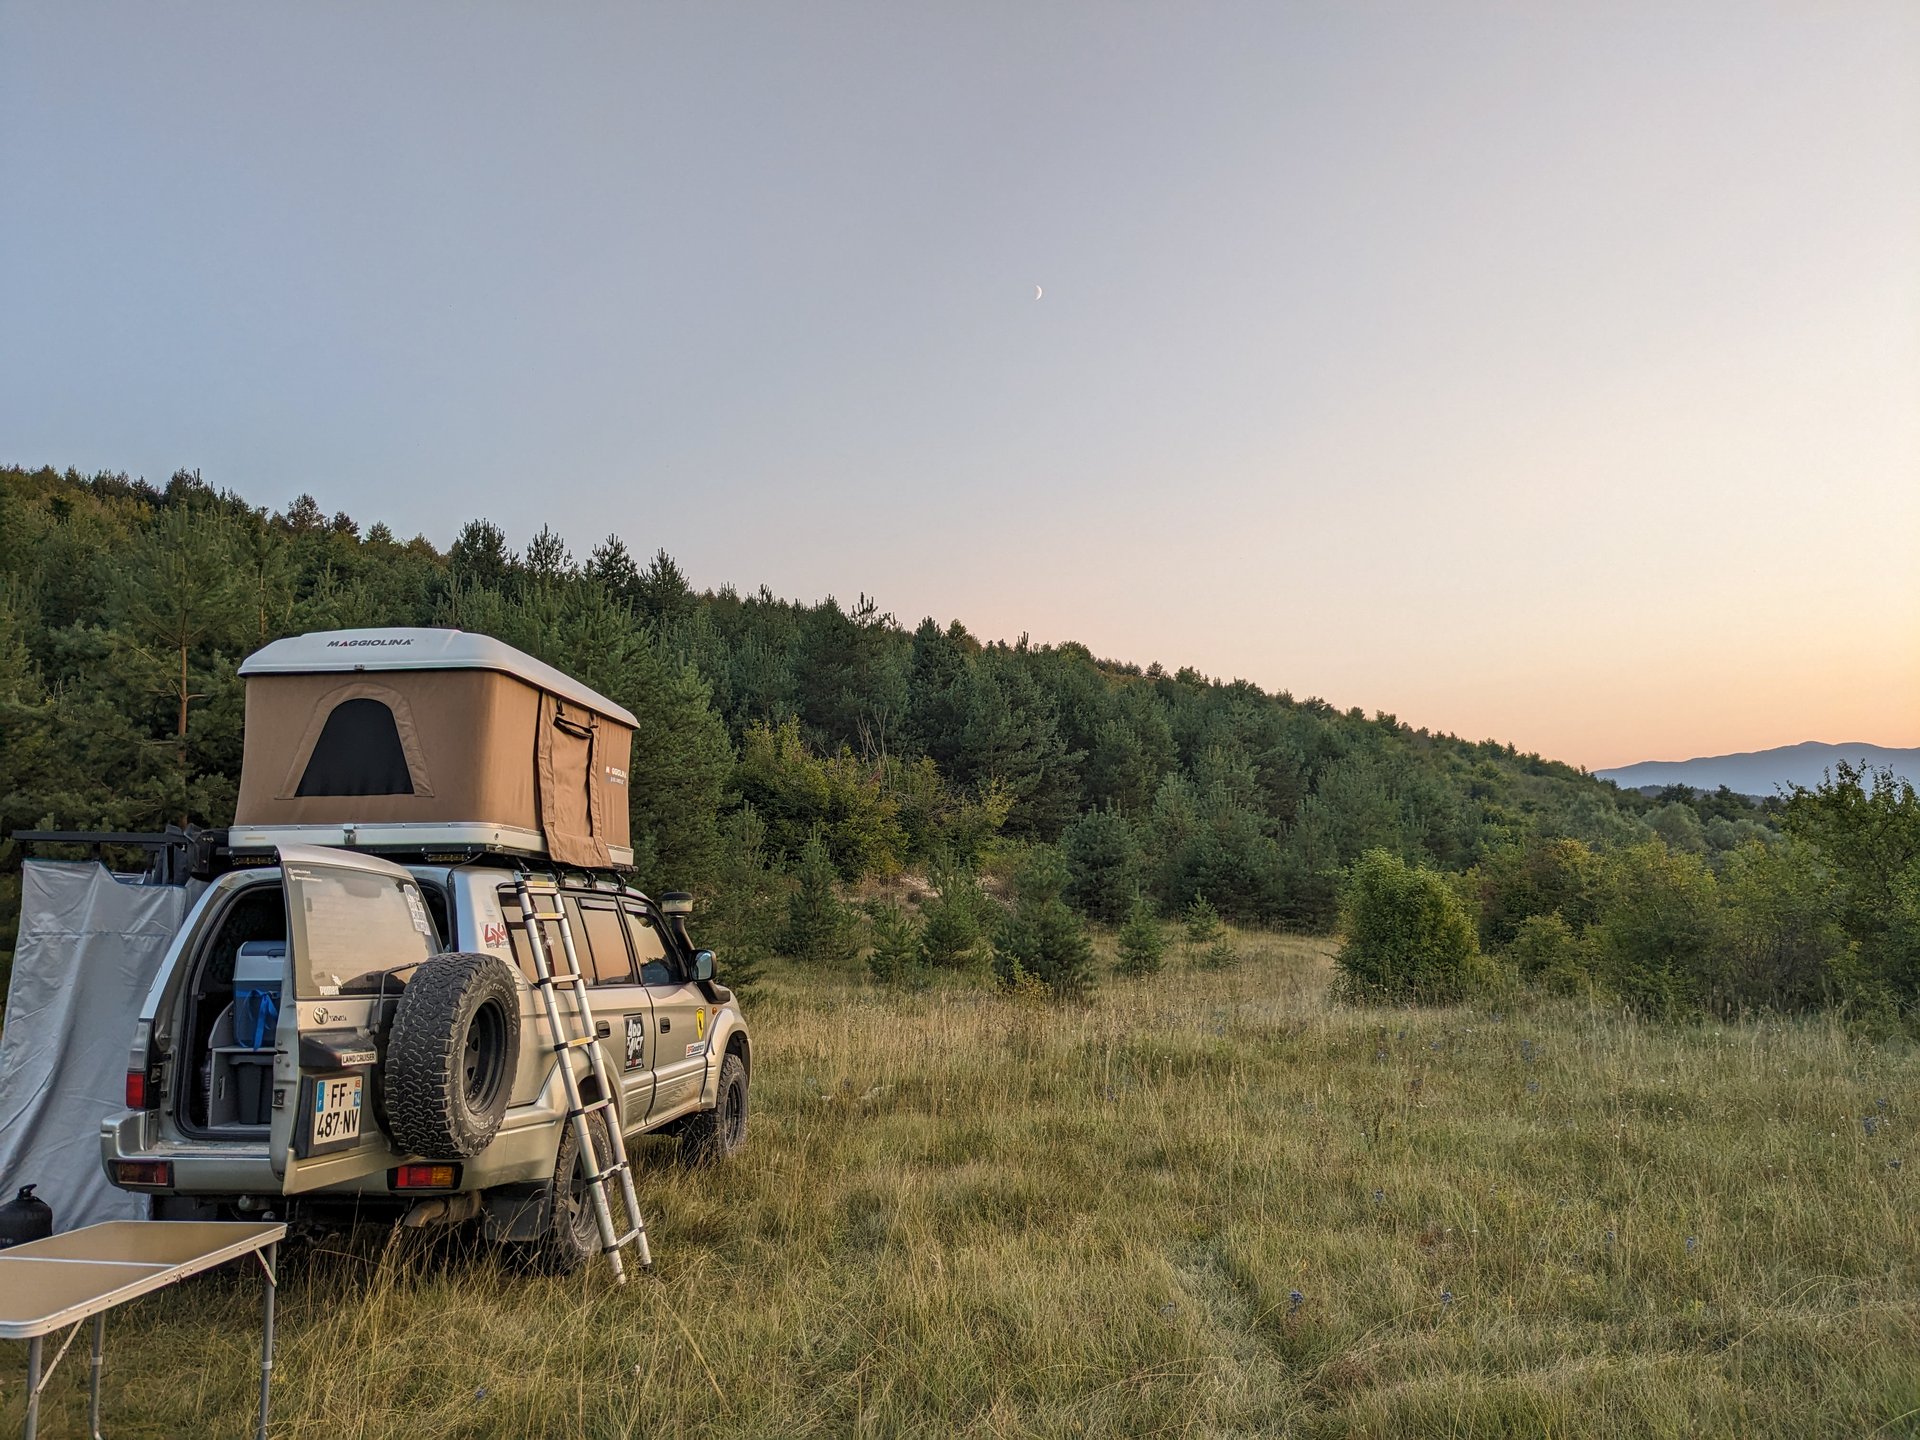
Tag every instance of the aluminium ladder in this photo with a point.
(565, 1042)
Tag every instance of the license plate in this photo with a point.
(336, 1110)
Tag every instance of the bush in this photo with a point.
(1408, 936)
(820, 926)
(1043, 940)
(1202, 922)
(1547, 953)
(1656, 940)
(1220, 955)
(895, 956)
(1143, 944)
(955, 925)
(744, 919)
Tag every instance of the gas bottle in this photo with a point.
(24, 1218)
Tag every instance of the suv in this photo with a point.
(337, 1035)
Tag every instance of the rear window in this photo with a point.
(611, 965)
(351, 925)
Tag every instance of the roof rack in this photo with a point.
(174, 855)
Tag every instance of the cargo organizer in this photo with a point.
(421, 738)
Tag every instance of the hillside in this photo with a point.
(125, 608)
(1764, 772)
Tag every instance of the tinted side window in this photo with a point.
(611, 964)
(648, 948)
(549, 936)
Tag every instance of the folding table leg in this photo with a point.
(33, 1388)
(268, 1267)
(93, 1377)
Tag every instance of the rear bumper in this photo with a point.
(522, 1153)
(200, 1167)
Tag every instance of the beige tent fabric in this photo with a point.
(360, 690)
(482, 747)
(473, 730)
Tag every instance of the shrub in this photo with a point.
(1143, 944)
(1202, 922)
(1220, 955)
(1408, 935)
(955, 924)
(895, 956)
(1547, 953)
(1781, 945)
(1043, 940)
(743, 920)
(820, 926)
(1655, 942)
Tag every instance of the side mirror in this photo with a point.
(703, 965)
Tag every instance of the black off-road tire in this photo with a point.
(451, 1055)
(571, 1236)
(712, 1135)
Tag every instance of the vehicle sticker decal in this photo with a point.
(636, 1041)
(700, 1023)
(696, 1049)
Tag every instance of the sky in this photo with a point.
(1542, 373)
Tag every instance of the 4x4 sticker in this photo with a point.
(636, 1041)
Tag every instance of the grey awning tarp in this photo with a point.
(90, 944)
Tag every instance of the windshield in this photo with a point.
(349, 925)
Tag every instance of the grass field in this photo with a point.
(1212, 1204)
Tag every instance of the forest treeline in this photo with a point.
(786, 751)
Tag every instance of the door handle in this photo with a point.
(602, 1029)
(666, 1024)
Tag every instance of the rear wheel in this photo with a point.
(572, 1234)
(715, 1134)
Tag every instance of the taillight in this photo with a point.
(143, 1172)
(136, 1089)
(425, 1177)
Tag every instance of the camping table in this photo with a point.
(82, 1274)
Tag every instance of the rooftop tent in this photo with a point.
(432, 737)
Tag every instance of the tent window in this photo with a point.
(358, 753)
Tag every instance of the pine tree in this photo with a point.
(745, 916)
(1203, 923)
(954, 927)
(1043, 940)
(819, 924)
(1143, 944)
(895, 954)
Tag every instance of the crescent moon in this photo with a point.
(1038, 292)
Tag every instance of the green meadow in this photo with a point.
(1206, 1203)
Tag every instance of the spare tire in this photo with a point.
(451, 1055)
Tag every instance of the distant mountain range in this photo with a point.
(1762, 772)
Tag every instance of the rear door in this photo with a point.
(681, 1014)
(352, 920)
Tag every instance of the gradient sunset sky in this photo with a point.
(1545, 373)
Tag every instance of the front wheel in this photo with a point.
(715, 1134)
